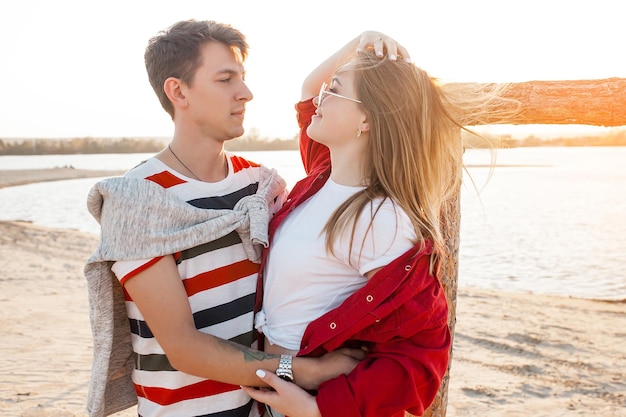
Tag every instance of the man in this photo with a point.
(182, 233)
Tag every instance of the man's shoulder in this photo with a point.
(154, 170)
(240, 162)
(143, 169)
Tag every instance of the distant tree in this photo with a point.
(252, 141)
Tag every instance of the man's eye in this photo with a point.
(225, 80)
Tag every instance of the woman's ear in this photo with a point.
(174, 91)
(365, 123)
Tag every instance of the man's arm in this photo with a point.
(160, 295)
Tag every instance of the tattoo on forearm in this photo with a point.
(255, 355)
(250, 354)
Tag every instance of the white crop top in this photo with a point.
(303, 281)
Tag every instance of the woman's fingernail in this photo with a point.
(260, 373)
(392, 57)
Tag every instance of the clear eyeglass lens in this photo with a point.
(321, 95)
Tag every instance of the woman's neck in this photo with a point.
(347, 170)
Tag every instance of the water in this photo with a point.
(557, 227)
(549, 221)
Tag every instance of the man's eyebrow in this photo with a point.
(231, 72)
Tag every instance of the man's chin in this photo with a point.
(235, 134)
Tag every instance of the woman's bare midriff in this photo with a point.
(276, 349)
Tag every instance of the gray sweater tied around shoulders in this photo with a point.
(140, 219)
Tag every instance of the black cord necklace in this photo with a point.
(182, 163)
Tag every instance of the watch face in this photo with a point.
(286, 378)
(285, 374)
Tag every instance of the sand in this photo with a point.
(514, 354)
(10, 178)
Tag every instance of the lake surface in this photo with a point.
(548, 221)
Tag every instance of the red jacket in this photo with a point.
(401, 314)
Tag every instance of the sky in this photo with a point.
(75, 68)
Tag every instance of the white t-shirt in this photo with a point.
(303, 281)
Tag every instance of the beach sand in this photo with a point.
(514, 354)
(10, 178)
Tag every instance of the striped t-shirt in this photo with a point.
(220, 282)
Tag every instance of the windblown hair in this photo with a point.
(414, 153)
(176, 52)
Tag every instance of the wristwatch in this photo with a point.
(284, 370)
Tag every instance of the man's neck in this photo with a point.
(202, 160)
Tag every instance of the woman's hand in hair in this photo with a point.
(379, 42)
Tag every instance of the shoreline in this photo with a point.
(11, 178)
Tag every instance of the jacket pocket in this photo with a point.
(386, 322)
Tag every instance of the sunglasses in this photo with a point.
(324, 90)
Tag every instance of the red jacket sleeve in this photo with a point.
(314, 155)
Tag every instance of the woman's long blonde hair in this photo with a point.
(414, 152)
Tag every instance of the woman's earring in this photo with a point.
(358, 133)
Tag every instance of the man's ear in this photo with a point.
(174, 91)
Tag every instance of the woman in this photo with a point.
(355, 252)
